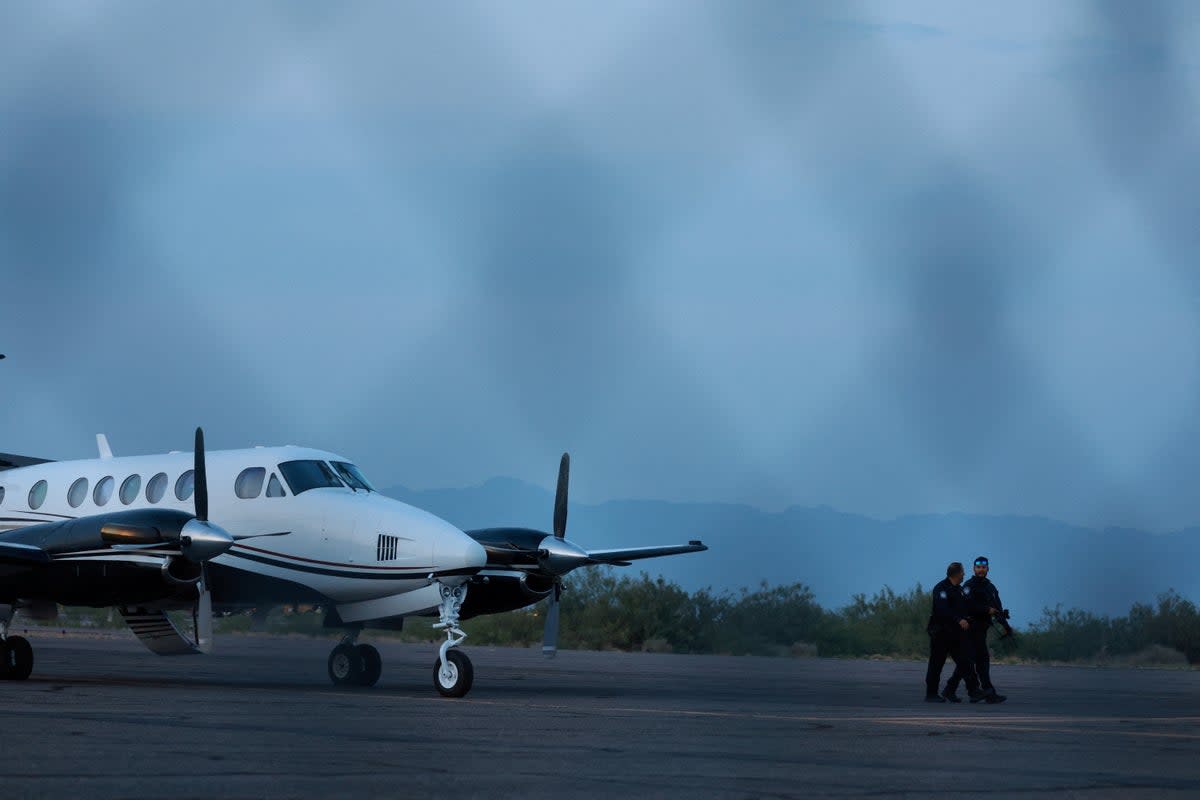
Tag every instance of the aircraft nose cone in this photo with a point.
(455, 552)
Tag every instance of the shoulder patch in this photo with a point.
(943, 595)
(966, 590)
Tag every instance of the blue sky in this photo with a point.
(887, 257)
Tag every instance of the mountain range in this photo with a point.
(1037, 563)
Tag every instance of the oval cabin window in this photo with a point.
(78, 493)
(130, 488)
(249, 483)
(37, 495)
(103, 491)
(185, 485)
(156, 487)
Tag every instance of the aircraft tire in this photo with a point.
(460, 675)
(18, 659)
(372, 665)
(344, 665)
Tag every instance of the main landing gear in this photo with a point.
(353, 664)
(16, 655)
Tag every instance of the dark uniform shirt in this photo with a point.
(981, 594)
(949, 606)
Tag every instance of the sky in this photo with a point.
(888, 257)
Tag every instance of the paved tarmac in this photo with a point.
(102, 717)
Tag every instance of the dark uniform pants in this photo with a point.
(956, 645)
(979, 652)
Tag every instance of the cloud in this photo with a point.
(776, 255)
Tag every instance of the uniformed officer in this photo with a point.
(948, 625)
(983, 602)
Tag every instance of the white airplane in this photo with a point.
(241, 529)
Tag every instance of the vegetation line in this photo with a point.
(601, 610)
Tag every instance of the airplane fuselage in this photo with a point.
(343, 545)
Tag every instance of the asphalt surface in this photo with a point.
(102, 717)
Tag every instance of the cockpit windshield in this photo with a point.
(352, 475)
(304, 475)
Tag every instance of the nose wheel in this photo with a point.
(454, 676)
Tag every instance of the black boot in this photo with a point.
(951, 695)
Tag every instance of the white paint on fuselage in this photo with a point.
(332, 529)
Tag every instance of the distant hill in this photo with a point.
(1036, 562)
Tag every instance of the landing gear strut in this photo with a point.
(353, 664)
(16, 656)
(452, 672)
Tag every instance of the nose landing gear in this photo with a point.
(453, 673)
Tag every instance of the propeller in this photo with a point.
(550, 556)
(199, 541)
(558, 556)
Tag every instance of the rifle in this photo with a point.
(1000, 620)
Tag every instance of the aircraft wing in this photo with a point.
(11, 461)
(23, 554)
(623, 557)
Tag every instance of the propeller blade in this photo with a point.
(202, 616)
(200, 497)
(550, 634)
(237, 537)
(560, 496)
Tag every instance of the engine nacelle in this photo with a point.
(490, 594)
(180, 571)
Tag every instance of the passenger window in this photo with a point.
(78, 492)
(275, 488)
(130, 488)
(103, 490)
(249, 484)
(185, 485)
(157, 487)
(37, 495)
